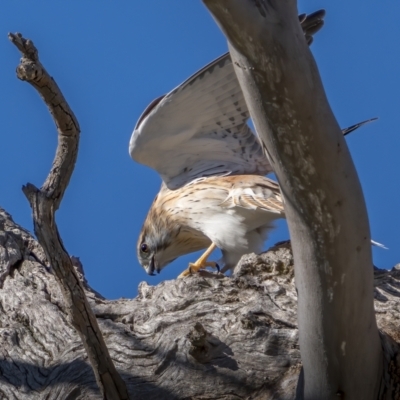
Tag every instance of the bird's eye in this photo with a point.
(144, 248)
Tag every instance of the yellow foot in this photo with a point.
(196, 267)
(200, 263)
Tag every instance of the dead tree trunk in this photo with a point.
(197, 338)
(324, 203)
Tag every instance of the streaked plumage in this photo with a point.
(234, 212)
(212, 166)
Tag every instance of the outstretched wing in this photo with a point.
(200, 128)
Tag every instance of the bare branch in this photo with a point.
(45, 202)
(325, 207)
(32, 71)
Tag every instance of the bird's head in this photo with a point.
(164, 239)
(157, 243)
(156, 249)
(166, 236)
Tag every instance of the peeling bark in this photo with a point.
(204, 337)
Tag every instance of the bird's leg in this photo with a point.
(201, 262)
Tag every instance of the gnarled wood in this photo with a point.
(45, 202)
(195, 338)
(324, 203)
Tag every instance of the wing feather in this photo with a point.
(200, 128)
(260, 193)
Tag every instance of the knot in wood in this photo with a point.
(28, 71)
(197, 335)
(199, 344)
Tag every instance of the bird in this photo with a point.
(214, 192)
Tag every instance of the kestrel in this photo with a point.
(214, 191)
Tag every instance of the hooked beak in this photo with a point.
(152, 267)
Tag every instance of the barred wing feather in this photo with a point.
(199, 129)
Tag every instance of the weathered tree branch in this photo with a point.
(325, 207)
(196, 338)
(46, 201)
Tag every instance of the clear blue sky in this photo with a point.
(112, 58)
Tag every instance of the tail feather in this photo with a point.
(352, 128)
(382, 246)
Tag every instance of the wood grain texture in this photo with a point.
(198, 338)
